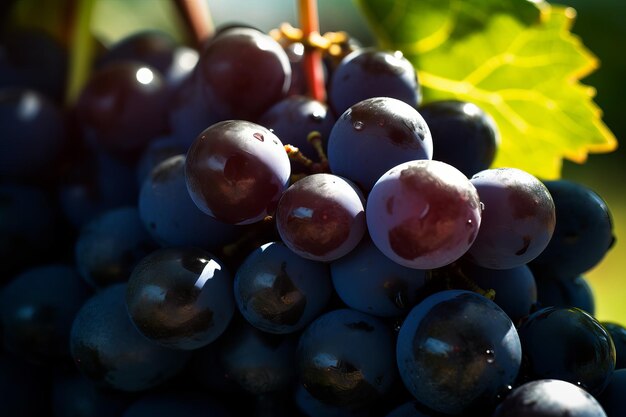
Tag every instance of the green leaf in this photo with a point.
(524, 73)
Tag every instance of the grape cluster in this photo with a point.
(196, 236)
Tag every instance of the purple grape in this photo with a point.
(236, 171)
(375, 135)
(243, 72)
(370, 72)
(423, 214)
(321, 217)
(518, 219)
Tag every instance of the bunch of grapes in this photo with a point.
(197, 236)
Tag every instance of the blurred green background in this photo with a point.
(600, 23)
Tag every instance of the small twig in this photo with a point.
(197, 18)
(309, 22)
(296, 155)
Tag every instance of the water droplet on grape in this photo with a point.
(358, 125)
(258, 136)
(482, 206)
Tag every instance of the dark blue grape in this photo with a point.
(567, 344)
(32, 135)
(612, 398)
(375, 135)
(243, 72)
(180, 297)
(109, 350)
(517, 221)
(259, 362)
(464, 136)
(170, 215)
(409, 409)
(321, 217)
(369, 72)
(157, 151)
(368, 281)
(457, 351)
(423, 214)
(345, 358)
(38, 308)
(618, 335)
(109, 246)
(565, 293)
(236, 171)
(278, 291)
(549, 398)
(583, 233)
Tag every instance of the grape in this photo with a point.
(549, 398)
(457, 351)
(312, 407)
(423, 214)
(157, 151)
(345, 358)
(583, 233)
(294, 118)
(567, 344)
(369, 72)
(321, 217)
(180, 298)
(410, 409)
(565, 293)
(259, 362)
(236, 171)
(518, 220)
(280, 292)
(109, 350)
(122, 107)
(618, 335)
(373, 136)
(170, 215)
(37, 311)
(243, 72)
(464, 136)
(109, 246)
(368, 281)
(32, 135)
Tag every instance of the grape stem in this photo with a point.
(309, 23)
(197, 18)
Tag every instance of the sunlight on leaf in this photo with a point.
(525, 74)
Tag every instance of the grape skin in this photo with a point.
(423, 214)
(236, 171)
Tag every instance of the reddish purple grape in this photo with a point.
(518, 220)
(321, 217)
(236, 171)
(423, 214)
